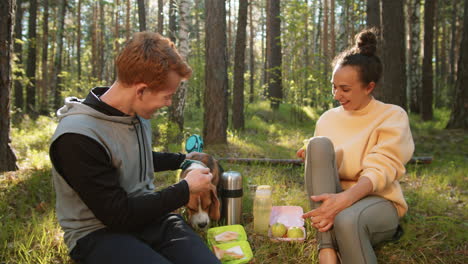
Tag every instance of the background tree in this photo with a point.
(332, 29)
(459, 116)
(274, 58)
(427, 74)
(325, 35)
(239, 68)
(251, 54)
(127, 20)
(31, 60)
(172, 32)
(160, 17)
(57, 75)
(176, 110)
(414, 72)
(44, 104)
(18, 46)
(7, 21)
(393, 51)
(374, 20)
(216, 78)
(142, 15)
(373, 13)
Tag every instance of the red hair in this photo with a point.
(147, 58)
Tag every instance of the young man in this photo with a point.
(103, 166)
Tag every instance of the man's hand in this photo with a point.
(191, 155)
(199, 180)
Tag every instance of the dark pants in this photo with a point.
(169, 240)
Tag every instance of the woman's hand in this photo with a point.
(332, 203)
(301, 153)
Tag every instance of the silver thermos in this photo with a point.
(231, 193)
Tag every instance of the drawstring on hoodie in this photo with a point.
(144, 148)
(139, 150)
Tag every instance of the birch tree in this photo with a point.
(176, 114)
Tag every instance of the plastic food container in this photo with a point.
(289, 216)
(241, 242)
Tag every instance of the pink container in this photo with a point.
(289, 216)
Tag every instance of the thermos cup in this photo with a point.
(231, 193)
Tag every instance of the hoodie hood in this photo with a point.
(75, 106)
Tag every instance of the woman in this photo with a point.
(354, 161)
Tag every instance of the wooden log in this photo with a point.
(298, 162)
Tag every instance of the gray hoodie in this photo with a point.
(127, 141)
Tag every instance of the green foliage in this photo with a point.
(31, 141)
(436, 193)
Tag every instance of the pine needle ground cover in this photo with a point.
(435, 227)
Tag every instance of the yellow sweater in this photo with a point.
(373, 142)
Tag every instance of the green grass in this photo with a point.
(436, 226)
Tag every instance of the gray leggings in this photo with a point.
(356, 229)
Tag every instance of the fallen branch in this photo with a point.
(298, 162)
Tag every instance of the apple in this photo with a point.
(295, 232)
(278, 230)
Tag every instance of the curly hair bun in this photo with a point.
(366, 42)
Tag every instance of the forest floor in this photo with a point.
(436, 226)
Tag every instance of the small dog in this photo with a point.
(205, 206)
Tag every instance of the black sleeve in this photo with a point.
(86, 166)
(163, 161)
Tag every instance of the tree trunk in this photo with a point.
(459, 116)
(31, 60)
(78, 43)
(160, 17)
(7, 21)
(101, 41)
(172, 20)
(239, 68)
(318, 50)
(415, 57)
(325, 34)
(373, 13)
(332, 28)
(427, 70)
(198, 55)
(393, 31)
(252, 57)
(453, 42)
(57, 83)
(176, 110)
(44, 102)
(440, 58)
(216, 78)
(19, 96)
(142, 15)
(264, 51)
(117, 37)
(94, 41)
(374, 20)
(229, 38)
(274, 57)
(305, 76)
(127, 21)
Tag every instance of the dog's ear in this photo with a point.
(215, 208)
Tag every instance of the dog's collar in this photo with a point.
(188, 163)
